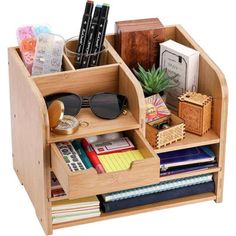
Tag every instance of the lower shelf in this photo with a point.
(165, 178)
(141, 209)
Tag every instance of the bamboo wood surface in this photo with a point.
(30, 153)
(213, 170)
(142, 209)
(87, 182)
(30, 119)
(211, 82)
(191, 140)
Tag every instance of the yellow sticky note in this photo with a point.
(120, 160)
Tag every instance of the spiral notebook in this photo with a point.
(161, 187)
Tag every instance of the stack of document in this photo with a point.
(189, 159)
(71, 210)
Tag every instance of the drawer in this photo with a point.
(89, 182)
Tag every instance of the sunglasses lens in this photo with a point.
(72, 102)
(107, 106)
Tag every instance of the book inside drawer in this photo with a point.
(88, 182)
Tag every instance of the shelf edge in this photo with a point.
(141, 209)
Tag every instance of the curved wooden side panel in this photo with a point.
(30, 153)
(211, 82)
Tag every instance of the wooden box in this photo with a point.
(137, 41)
(34, 155)
(161, 138)
(195, 110)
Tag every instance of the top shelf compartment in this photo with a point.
(87, 82)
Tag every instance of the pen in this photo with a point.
(92, 156)
(83, 33)
(102, 25)
(79, 149)
(91, 36)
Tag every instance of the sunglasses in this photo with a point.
(103, 105)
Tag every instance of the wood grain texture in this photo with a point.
(84, 82)
(97, 126)
(87, 182)
(31, 159)
(130, 86)
(191, 140)
(162, 138)
(111, 78)
(142, 209)
(137, 41)
(30, 129)
(211, 82)
(196, 113)
(213, 170)
(66, 64)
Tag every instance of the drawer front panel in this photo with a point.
(88, 182)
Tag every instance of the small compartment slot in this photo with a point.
(106, 58)
(66, 65)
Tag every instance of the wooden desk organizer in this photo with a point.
(34, 153)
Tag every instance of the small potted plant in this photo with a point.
(153, 81)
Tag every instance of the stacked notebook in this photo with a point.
(187, 160)
(71, 210)
(156, 193)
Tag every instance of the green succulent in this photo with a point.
(152, 80)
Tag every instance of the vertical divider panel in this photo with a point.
(129, 85)
(67, 65)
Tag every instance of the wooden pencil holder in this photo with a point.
(161, 138)
(195, 110)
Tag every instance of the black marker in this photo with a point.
(83, 32)
(91, 36)
(102, 25)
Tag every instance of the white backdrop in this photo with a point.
(212, 25)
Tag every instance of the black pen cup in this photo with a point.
(84, 60)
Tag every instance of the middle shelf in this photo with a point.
(97, 126)
(166, 178)
(191, 140)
